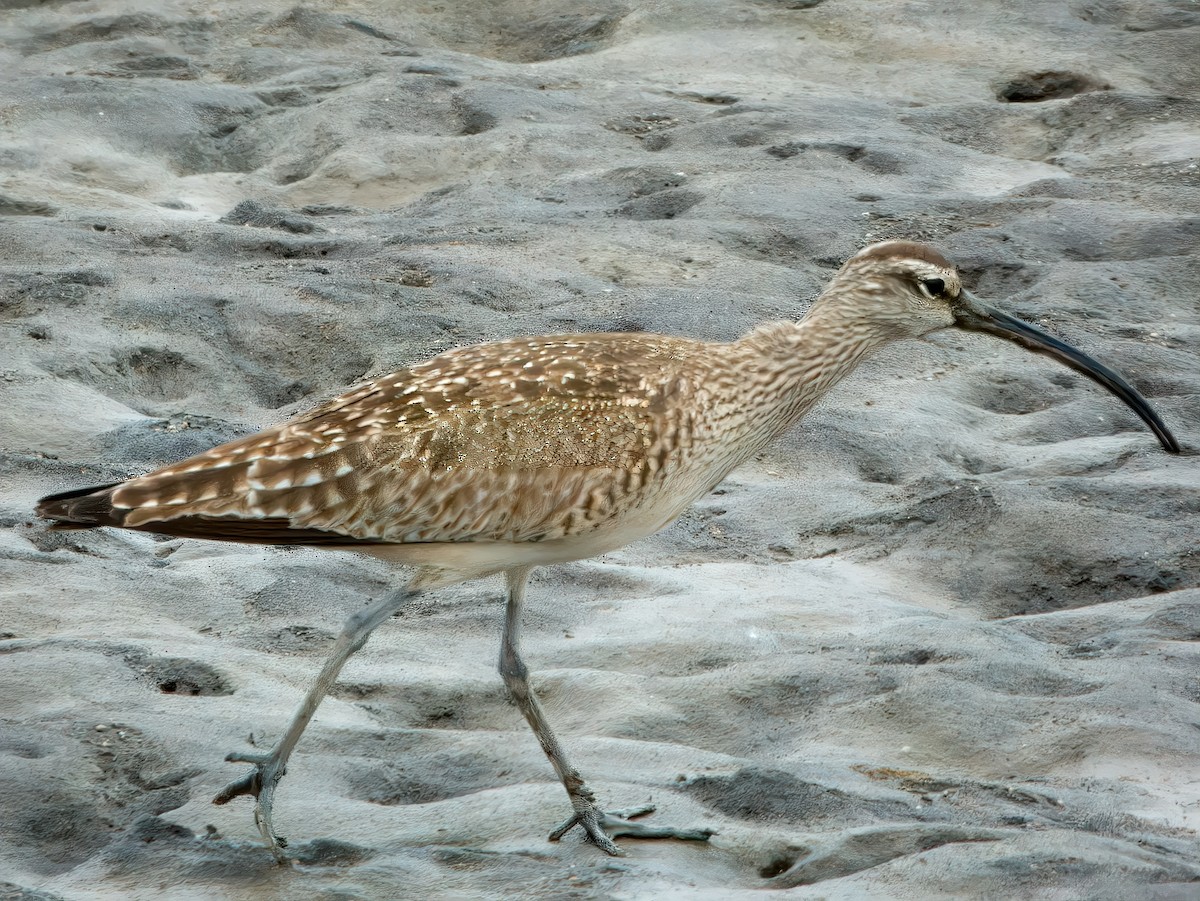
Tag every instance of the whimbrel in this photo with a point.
(501, 457)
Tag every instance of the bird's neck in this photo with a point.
(796, 363)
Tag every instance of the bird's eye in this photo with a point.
(933, 287)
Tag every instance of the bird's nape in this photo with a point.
(973, 315)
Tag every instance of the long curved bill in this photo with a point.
(972, 314)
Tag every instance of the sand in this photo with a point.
(939, 642)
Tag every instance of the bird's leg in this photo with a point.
(269, 768)
(595, 822)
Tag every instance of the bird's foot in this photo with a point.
(602, 827)
(260, 784)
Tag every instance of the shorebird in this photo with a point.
(501, 457)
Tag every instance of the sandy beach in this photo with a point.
(939, 642)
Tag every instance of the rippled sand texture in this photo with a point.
(940, 642)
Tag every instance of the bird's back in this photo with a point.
(516, 441)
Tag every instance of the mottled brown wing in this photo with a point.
(518, 440)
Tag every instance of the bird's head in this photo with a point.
(902, 289)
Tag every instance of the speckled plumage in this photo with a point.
(530, 440)
(523, 440)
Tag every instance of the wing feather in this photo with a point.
(519, 440)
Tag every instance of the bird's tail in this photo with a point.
(84, 508)
(88, 508)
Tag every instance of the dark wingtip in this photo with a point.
(83, 508)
